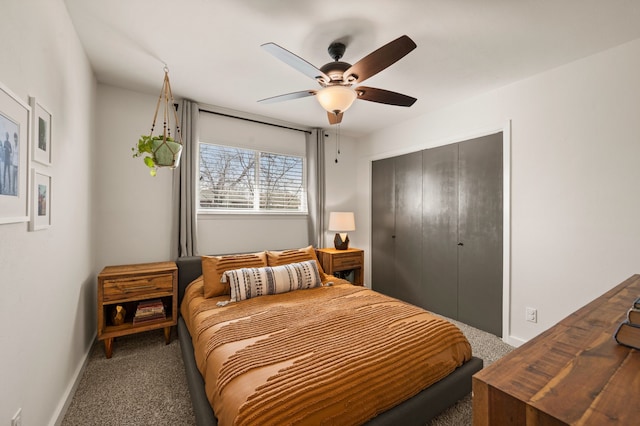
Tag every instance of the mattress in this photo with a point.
(338, 354)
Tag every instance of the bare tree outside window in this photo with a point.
(280, 182)
(243, 179)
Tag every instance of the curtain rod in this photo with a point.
(255, 121)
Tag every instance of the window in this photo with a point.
(236, 179)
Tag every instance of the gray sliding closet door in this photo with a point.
(396, 223)
(383, 223)
(462, 231)
(440, 230)
(408, 234)
(436, 226)
(480, 229)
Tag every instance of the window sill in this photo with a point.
(210, 215)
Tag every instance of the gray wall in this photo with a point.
(134, 209)
(574, 141)
(47, 277)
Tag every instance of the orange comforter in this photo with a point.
(329, 355)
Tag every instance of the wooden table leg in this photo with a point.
(480, 403)
(108, 347)
(167, 335)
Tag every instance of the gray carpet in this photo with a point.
(483, 345)
(144, 383)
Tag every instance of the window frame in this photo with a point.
(211, 212)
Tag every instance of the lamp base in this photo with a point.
(339, 243)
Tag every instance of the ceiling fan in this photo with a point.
(337, 78)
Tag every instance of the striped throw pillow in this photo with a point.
(247, 283)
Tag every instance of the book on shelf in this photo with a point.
(150, 305)
(628, 334)
(149, 310)
(633, 316)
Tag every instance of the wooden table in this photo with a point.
(333, 260)
(127, 286)
(574, 373)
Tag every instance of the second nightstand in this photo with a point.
(333, 261)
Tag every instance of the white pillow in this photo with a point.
(246, 283)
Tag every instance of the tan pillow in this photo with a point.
(214, 266)
(277, 258)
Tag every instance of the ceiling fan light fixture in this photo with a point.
(337, 78)
(337, 98)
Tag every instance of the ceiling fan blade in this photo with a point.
(384, 96)
(295, 61)
(380, 59)
(334, 118)
(288, 96)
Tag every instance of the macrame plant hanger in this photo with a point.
(166, 152)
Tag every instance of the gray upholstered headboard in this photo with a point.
(189, 268)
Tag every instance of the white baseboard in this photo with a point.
(67, 396)
(514, 341)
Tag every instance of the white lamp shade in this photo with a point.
(336, 98)
(342, 222)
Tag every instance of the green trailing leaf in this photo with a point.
(145, 146)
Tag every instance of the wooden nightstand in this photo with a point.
(333, 260)
(127, 286)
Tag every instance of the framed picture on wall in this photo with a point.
(41, 133)
(15, 132)
(40, 201)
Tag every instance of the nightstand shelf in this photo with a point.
(333, 260)
(127, 286)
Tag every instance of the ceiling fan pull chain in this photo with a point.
(337, 141)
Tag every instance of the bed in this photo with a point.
(319, 343)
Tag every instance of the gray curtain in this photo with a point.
(315, 187)
(185, 229)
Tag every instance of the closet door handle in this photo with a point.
(460, 244)
(393, 236)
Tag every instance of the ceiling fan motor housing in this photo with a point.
(335, 70)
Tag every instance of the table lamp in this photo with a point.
(341, 223)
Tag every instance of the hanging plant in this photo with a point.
(161, 150)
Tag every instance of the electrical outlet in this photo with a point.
(532, 315)
(16, 420)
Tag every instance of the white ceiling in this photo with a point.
(465, 47)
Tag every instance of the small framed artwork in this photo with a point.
(41, 133)
(15, 134)
(40, 201)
